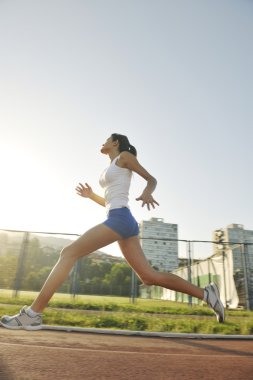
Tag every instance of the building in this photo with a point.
(235, 239)
(184, 261)
(231, 267)
(159, 243)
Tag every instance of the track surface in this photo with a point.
(81, 356)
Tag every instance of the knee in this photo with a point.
(67, 254)
(149, 278)
(147, 281)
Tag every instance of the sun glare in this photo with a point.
(20, 187)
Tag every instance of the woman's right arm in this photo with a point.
(86, 192)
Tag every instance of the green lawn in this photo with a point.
(120, 313)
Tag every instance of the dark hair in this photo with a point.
(124, 145)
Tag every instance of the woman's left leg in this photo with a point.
(134, 255)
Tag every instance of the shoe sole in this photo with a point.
(28, 328)
(220, 319)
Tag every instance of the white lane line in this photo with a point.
(123, 352)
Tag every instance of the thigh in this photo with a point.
(133, 253)
(92, 240)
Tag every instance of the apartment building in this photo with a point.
(234, 238)
(159, 243)
(237, 236)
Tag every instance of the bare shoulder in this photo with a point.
(129, 161)
(126, 159)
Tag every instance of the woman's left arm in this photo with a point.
(129, 161)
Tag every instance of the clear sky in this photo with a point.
(174, 76)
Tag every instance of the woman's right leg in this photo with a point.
(94, 239)
(134, 254)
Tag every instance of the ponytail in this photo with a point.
(132, 150)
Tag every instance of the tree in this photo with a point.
(35, 279)
(119, 279)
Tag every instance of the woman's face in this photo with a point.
(108, 145)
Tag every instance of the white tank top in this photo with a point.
(116, 182)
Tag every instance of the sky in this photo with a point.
(174, 76)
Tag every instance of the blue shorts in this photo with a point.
(122, 221)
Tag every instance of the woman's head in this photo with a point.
(124, 145)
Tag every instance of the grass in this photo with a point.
(119, 313)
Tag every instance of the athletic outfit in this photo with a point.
(116, 183)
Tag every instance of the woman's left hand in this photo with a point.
(148, 200)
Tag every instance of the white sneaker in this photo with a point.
(212, 298)
(22, 320)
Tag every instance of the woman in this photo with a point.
(119, 226)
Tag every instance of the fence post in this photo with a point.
(209, 270)
(189, 270)
(75, 283)
(249, 277)
(133, 287)
(224, 274)
(245, 272)
(20, 265)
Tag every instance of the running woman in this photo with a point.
(119, 226)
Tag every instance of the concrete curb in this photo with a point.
(145, 333)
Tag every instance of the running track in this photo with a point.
(59, 355)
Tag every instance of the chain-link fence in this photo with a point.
(26, 259)
(231, 267)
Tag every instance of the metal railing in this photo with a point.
(26, 259)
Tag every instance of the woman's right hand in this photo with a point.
(84, 191)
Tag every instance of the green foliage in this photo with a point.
(7, 270)
(145, 315)
(35, 280)
(89, 276)
(119, 279)
(145, 322)
(103, 278)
